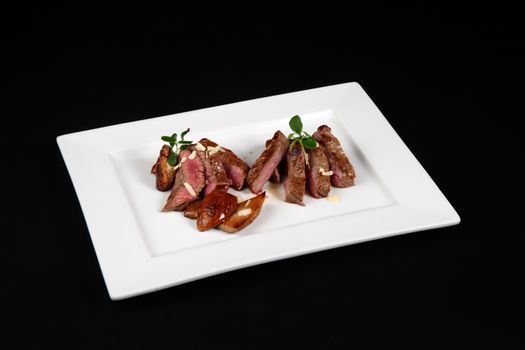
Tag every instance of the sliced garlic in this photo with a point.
(327, 173)
(200, 147)
(213, 150)
(192, 155)
(321, 170)
(190, 189)
(244, 212)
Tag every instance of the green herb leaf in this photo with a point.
(296, 124)
(309, 142)
(300, 136)
(184, 133)
(176, 146)
(173, 158)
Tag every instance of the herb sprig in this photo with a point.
(300, 136)
(176, 146)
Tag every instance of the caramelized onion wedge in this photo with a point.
(192, 210)
(246, 212)
(216, 207)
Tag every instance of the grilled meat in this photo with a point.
(265, 165)
(216, 177)
(295, 181)
(236, 169)
(317, 172)
(189, 182)
(344, 174)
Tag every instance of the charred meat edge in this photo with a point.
(164, 173)
(214, 172)
(295, 181)
(344, 174)
(263, 168)
(277, 175)
(318, 184)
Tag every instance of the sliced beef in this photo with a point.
(216, 177)
(164, 172)
(295, 181)
(277, 175)
(236, 169)
(344, 174)
(279, 170)
(317, 172)
(189, 182)
(264, 166)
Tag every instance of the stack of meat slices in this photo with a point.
(199, 186)
(316, 169)
(202, 168)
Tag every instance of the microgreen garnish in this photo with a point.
(176, 146)
(300, 136)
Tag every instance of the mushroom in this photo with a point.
(216, 207)
(246, 212)
(164, 172)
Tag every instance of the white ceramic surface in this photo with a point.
(141, 249)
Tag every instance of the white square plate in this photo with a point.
(141, 249)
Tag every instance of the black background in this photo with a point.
(447, 79)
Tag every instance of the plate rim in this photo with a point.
(129, 269)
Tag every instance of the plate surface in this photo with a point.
(141, 249)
